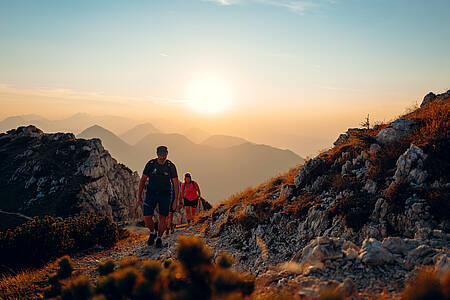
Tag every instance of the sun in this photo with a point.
(209, 95)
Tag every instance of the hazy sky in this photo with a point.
(302, 68)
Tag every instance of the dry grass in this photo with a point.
(257, 196)
(24, 284)
(427, 285)
(434, 120)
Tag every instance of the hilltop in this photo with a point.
(367, 211)
(59, 175)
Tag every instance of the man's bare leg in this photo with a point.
(149, 223)
(162, 225)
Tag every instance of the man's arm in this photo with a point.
(176, 187)
(141, 188)
(182, 194)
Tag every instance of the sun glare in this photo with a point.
(209, 95)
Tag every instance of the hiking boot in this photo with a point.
(159, 243)
(151, 239)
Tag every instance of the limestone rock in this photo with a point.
(373, 252)
(308, 172)
(398, 130)
(322, 248)
(410, 166)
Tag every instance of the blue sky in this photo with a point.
(292, 58)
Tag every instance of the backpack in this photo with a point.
(159, 181)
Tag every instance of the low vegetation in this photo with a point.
(195, 275)
(44, 238)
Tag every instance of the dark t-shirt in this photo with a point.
(160, 175)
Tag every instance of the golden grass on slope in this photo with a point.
(434, 119)
(23, 285)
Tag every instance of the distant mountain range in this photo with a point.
(222, 165)
(223, 141)
(75, 123)
(138, 132)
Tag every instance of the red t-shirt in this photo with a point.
(190, 192)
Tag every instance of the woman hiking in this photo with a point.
(190, 192)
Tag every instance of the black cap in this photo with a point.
(161, 150)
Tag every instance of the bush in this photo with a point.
(194, 276)
(426, 286)
(224, 260)
(106, 267)
(65, 267)
(44, 238)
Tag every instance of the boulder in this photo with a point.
(347, 287)
(373, 252)
(409, 166)
(322, 248)
(421, 255)
(397, 245)
(397, 130)
(428, 98)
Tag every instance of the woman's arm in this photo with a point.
(198, 189)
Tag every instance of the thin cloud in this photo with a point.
(63, 94)
(296, 6)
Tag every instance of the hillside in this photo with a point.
(116, 146)
(223, 141)
(59, 175)
(368, 211)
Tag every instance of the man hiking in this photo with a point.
(159, 172)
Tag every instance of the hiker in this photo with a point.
(190, 192)
(159, 172)
(171, 226)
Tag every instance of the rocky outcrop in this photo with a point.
(60, 175)
(410, 167)
(398, 130)
(431, 97)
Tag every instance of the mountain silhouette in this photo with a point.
(223, 141)
(138, 132)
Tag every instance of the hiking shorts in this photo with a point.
(192, 203)
(162, 199)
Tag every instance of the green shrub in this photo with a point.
(426, 286)
(128, 262)
(106, 267)
(194, 276)
(65, 267)
(44, 238)
(79, 289)
(224, 260)
(151, 269)
(192, 252)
